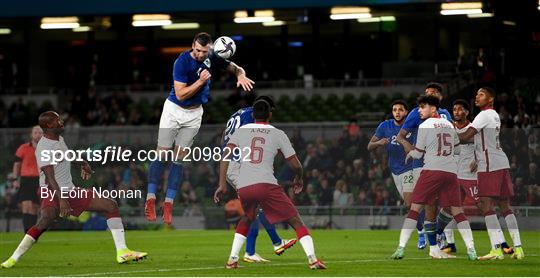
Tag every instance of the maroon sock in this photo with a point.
(506, 213)
(302, 232)
(112, 214)
(242, 228)
(34, 232)
(413, 215)
(460, 218)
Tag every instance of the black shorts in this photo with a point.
(29, 190)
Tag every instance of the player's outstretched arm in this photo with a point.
(65, 208)
(243, 80)
(375, 142)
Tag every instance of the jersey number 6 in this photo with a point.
(256, 151)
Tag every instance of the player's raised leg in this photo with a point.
(154, 176)
(47, 217)
(174, 179)
(183, 137)
(280, 245)
(168, 131)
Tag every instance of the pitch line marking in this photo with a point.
(223, 267)
(130, 236)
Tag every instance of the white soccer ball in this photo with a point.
(224, 47)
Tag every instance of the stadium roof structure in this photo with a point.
(29, 8)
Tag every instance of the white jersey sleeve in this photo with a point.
(421, 138)
(488, 150)
(48, 152)
(285, 145)
(480, 121)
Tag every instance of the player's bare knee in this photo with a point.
(45, 221)
(504, 205)
(296, 222)
(431, 213)
(456, 210)
(415, 207)
(485, 204)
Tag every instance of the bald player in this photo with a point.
(56, 176)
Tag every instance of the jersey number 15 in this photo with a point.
(444, 147)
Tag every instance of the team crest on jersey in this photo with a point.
(207, 62)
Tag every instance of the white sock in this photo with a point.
(237, 244)
(307, 243)
(24, 246)
(117, 231)
(150, 196)
(511, 223)
(494, 228)
(464, 228)
(409, 225)
(500, 235)
(449, 231)
(169, 200)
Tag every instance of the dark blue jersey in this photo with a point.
(241, 117)
(187, 70)
(411, 125)
(396, 154)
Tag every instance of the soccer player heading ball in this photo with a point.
(182, 115)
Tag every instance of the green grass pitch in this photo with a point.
(204, 253)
